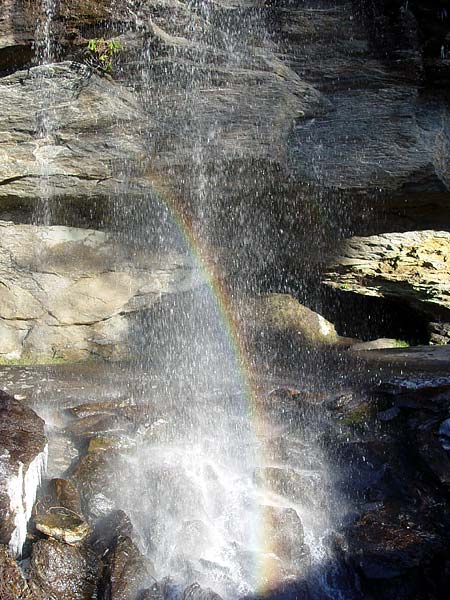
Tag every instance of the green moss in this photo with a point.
(32, 360)
(357, 418)
(401, 344)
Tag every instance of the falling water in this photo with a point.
(45, 55)
(194, 484)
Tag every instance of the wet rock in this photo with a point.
(65, 494)
(97, 476)
(63, 525)
(104, 407)
(108, 529)
(196, 592)
(100, 424)
(433, 454)
(193, 537)
(71, 292)
(127, 572)
(62, 572)
(299, 486)
(68, 92)
(22, 460)
(385, 544)
(410, 267)
(13, 585)
(62, 454)
(285, 538)
(153, 593)
(106, 443)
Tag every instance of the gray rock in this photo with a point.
(72, 293)
(64, 132)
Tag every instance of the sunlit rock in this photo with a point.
(63, 525)
(73, 293)
(411, 267)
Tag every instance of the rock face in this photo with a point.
(65, 132)
(22, 461)
(71, 293)
(409, 267)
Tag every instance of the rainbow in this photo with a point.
(267, 571)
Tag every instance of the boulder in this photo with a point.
(97, 477)
(13, 585)
(66, 495)
(23, 455)
(273, 318)
(62, 453)
(303, 486)
(196, 592)
(410, 267)
(284, 537)
(63, 525)
(62, 572)
(108, 529)
(72, 293)
(387, 545)
(127, 572)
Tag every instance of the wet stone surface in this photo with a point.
(331, 462)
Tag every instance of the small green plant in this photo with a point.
(103, 52)
(401, 344)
